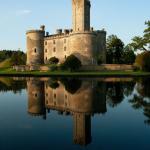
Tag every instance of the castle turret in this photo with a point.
(35, 46)
(81, 15)
(36, 99)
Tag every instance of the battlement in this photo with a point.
(34, 31)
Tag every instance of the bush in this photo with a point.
(53, 67)
(72, 63)
(143, 61)
(99, 60)
(53, 60)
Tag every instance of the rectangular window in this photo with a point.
(45, 42)
(45, 50)
(65, 48)
(54, 50)
(54, 42)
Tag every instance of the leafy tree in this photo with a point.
(71, 85)
(71, 63)
(53, 60)
(143, 61)
(142, 43)
(128, 56)
(114, 49)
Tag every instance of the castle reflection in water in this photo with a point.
(82, 99)
(72, 97)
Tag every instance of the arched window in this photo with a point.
(35, 50)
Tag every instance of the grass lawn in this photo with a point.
(11, 72)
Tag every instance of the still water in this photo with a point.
(66, 113)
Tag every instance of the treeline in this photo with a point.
(17, 57)
(119, 53)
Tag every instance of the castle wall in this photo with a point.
(84, 46)
(101, 45)
(56, 46)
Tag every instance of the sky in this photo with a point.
(124, 18)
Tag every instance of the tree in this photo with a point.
(114, 47)
(142, 43)
(143, 61)
(72, 63)
(128, 56)
(53, 60)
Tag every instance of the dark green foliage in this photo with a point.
(17, 57)
(53, 60)
(128, 56)
(143, 61)
(71, 63)
(54, 84)
(114, 50)
(99, 60)
(15, 86)
(71, 85)
(53, 67)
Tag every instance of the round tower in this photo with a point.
(35, 46)
(36, 100)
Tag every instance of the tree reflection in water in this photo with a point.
(141, 97)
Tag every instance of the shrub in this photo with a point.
(53, 60)
(99, 60)
(71, 63)
(143, 61)
(53, 67)
(54, 84)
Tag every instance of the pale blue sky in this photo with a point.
(125, 18)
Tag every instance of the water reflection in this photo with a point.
(81, 98)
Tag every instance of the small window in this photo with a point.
(64, 40)
(46, 58)
(54, 42)
(65, 56)
(35, 50)
(45, 50)
(46, 43)
(65, 48)
(54, 50)
(35, 95)
(55, 96)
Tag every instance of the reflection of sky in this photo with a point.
(121, 127)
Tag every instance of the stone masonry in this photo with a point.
(82, 41)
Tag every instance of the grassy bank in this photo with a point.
(11, 72)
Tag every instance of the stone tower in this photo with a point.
(81, 15)
(35, 46)
(82, 129)
(36, 99)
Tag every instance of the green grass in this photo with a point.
(11, 72)
(6, 63)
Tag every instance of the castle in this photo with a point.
(82, 40)
(80, 102)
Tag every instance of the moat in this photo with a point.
(74, 113)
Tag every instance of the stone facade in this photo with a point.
(82, 40)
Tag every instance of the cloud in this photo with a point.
(23, 12)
